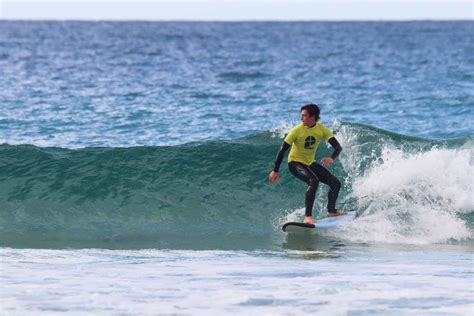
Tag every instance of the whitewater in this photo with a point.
(134, 159)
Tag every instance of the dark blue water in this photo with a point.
(83, 84)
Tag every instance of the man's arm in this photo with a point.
(337, 147)
(279, 158)
(273, 176)
(337, 150)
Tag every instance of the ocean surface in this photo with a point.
(134, 159)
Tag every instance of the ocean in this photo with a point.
(134, 159)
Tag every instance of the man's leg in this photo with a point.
(334, 185)
(305, 174)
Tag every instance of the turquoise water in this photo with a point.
(134, 161)
(140, 197)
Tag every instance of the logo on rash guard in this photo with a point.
(309, 142)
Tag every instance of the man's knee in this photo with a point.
(313, 182)
(335, 183)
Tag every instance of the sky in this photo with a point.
(236, 10)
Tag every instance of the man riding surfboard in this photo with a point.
(304, 139)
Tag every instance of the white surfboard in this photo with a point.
(324, 223)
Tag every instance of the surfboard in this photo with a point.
(324, 223)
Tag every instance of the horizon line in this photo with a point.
(238, 20)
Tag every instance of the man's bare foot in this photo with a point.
(309, 220)
(338, 213)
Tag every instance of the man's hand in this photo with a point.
(327, 161)
(273, 176)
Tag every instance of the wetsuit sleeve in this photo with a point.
(337, 147)
(284, 147)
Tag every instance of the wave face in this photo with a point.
(216, 195)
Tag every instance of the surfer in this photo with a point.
(304, 139)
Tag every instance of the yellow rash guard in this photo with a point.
(305, 140)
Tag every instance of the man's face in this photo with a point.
(306, 119)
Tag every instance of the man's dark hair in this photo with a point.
(313, 110)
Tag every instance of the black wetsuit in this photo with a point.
(312, 175)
